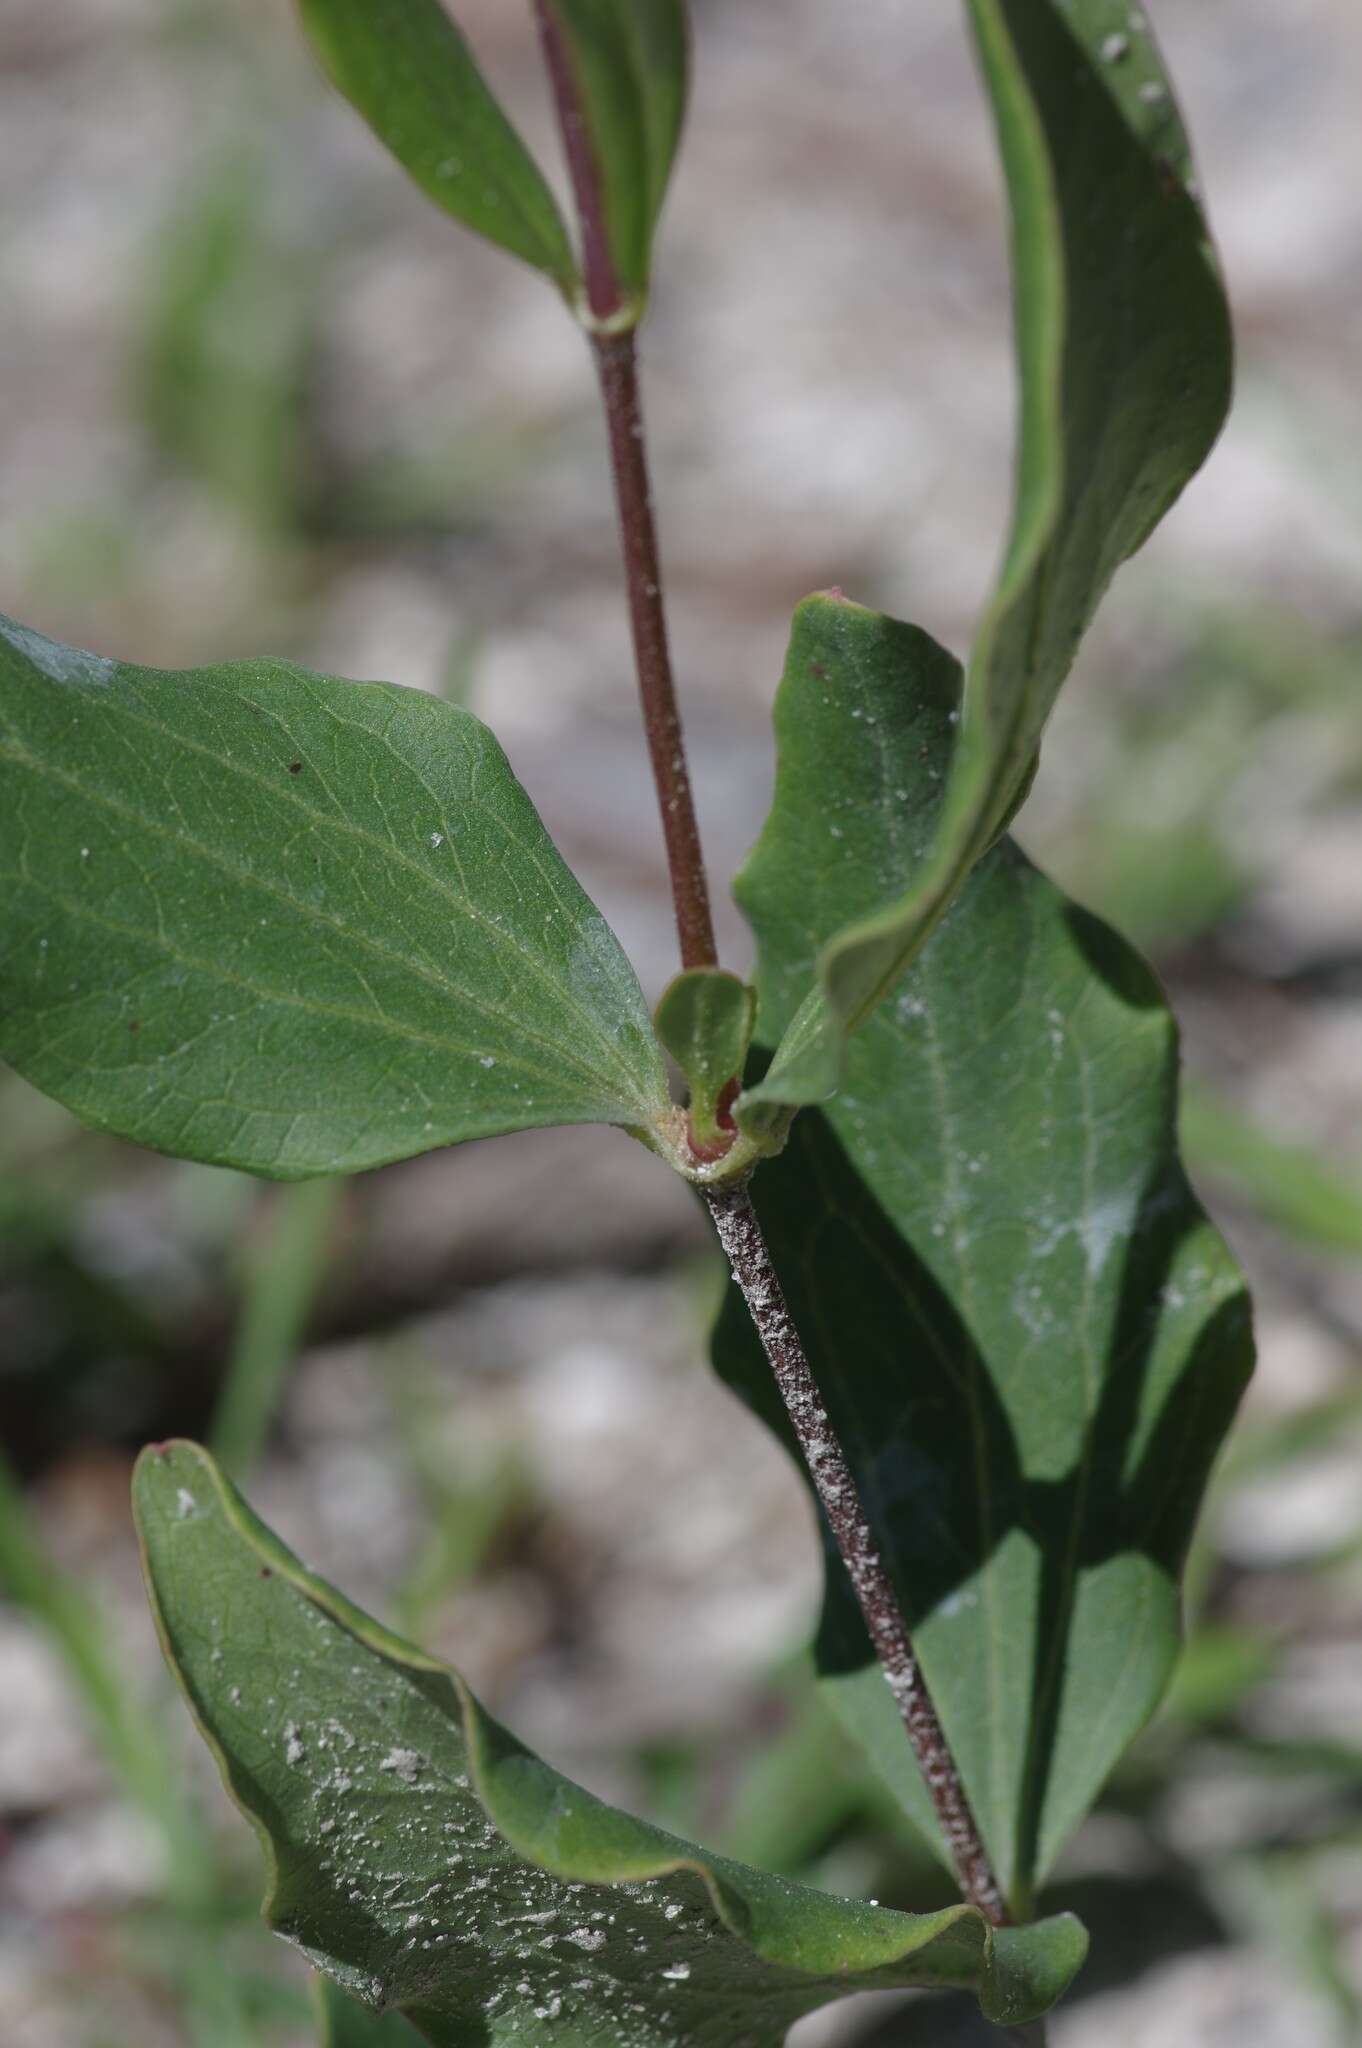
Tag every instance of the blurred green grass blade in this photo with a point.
(227, 317)
(1288, 1902)
(1288, 1183)
(410, 73)
(1123, 350)
(284, 1267)
(128, 1728)
(30, 1578)
(1028, 1336)
(629, 60)
(1281, 1439)
(283, 922)
(423, 1857)
(128, 1735)
(1222, 1665)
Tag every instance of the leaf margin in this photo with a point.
(1006, 1956)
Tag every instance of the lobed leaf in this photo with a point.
(629, 61)
(1123, 347)
(282, 922)
(433, 1866)
(408, 70)
(1028, 1336)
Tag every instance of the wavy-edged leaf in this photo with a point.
(1029, 1337)
(1123, 345)
(629, 63)
(418, 1853)
(282, 922)
(408, 70)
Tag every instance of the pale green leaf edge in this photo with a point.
(983, 794)
(887, 1938)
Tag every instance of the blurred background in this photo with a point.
(257, 395)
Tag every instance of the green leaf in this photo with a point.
(409, 71)
(705, 1021)
(805, 871)
(1026, 1332)
(1123, 346)
(291, 924)
(419, 1854)
(629, 61)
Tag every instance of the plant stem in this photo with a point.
(735, 1219)
(617, 365)
(740, 1234)
(617, 368)
(603, 294)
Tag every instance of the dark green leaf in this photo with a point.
(432, 1865)
(629, 62)
(1027, 1333)
(408, 70)
(1123, 346)
(281, 922)
(705, 1021)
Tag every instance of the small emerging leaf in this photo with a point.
(1123, 347)
(419, 1854)
(295, 925)
(408, 70)
(1029, 1338)
(705, 1021)
(629, 61)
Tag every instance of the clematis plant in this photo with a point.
(304, 926)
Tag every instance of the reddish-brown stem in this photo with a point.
(617, 367)
(734, 1217)
(603, 294)
(617, 364)
(741, 1236)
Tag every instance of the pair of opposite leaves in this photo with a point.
(304, 926)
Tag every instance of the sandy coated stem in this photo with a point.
(741, 1236)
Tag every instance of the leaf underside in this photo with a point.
(432, 1865)
(408, 70)
(291, 924)
(1029, 1338)
(1124, 361)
